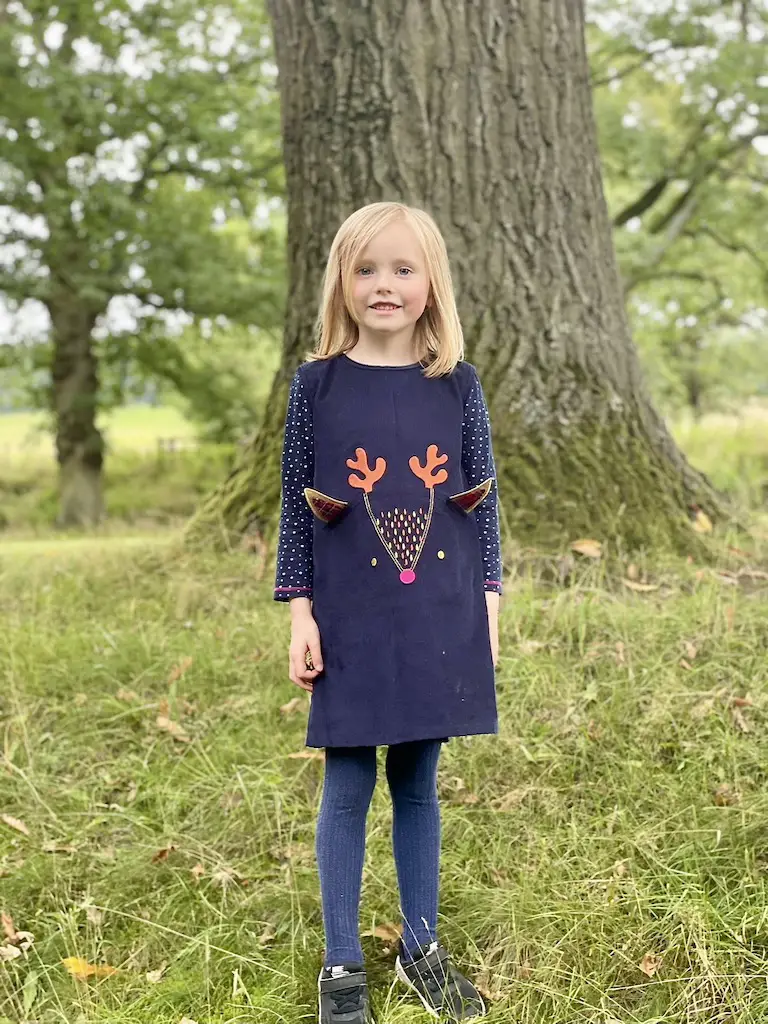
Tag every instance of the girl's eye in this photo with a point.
(363, 270)
(406, 269)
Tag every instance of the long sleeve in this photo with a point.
(294, 551)
(478, 464)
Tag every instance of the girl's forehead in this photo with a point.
(396, 241)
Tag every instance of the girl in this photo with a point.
(389, 556)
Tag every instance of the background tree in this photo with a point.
(485, 118)
(138, 149)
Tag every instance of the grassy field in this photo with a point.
(605, 858)
(24, 435)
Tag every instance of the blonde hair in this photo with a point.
(438, 335)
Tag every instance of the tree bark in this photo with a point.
(74, 400)
(482, 114)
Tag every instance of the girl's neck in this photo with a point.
(391, 350)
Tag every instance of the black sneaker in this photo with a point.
(437, 983)
(343, 995)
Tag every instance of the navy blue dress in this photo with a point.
(389, 523)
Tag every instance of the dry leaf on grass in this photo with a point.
(176, 731)
(267, 935)
(386, 932)
(187, 1020)
(701, 522)
(153, 977)
(293, 705)
(308, 755)
(161, 855)
(53, 846)
(14, 823)
(94, 915)
(640, 588)
(739, 720)
(178, 670)
(126, 695)
(197, 872)
(587, 547)
(725, 795)
(82, 970)
(650, 964)
(686, 665)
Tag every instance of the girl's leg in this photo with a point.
(350, 778)
(412, 778)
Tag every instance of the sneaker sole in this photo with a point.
(400, 972)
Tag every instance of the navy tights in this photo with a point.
(350, 778)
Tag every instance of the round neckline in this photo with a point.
(379, 366)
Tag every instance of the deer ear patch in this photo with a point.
(469, 500)
(326, 508)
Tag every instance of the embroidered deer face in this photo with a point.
(402, 531)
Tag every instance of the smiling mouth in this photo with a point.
(384, 305)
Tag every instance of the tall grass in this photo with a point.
(604, 856)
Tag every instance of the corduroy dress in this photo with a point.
(389, 523)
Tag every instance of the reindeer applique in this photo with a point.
(403, 532)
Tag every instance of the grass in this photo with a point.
(604, 856)
(24, 435)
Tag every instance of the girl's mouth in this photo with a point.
(385, 307)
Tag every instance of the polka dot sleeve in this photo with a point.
(478, 463)
(294, 548)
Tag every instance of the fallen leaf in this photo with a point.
(178, 670)
(267, 935)
(640, 588)
(686, 664)
(8, 953)
(632, 571)
(701, 522)
(187, 1020)
(620, 651)
(154, 976)
(53, 846)
(650, 964)
(386, 932)
(94, 915)
(8, 926)
(725, 795)
(739, 720)
(742, 702)
(531, 646)
(81, 969)
(292, 706)
(690, 650)
(198, 871)
(173, 729)
(127, 695)
(161, 855)
(588, 547)
(308, 755)
(12, 822)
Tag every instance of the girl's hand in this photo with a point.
(305, 640)
(492, 606)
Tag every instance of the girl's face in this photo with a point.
(390, 285)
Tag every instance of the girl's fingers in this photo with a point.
(316, 655)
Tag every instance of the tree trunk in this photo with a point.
(74, 398)
(482, 114)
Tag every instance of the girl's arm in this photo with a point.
(478, 464)
(293, 578)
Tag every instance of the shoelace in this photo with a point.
(347, 999)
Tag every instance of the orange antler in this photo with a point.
(370, 476)
(425, 472)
